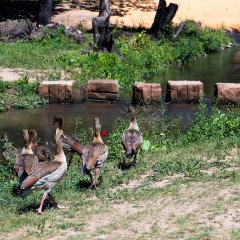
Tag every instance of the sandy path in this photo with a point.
(214, 13)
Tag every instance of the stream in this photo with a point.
(223, 66)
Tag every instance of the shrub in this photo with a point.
(20, 94)
(188, 48)
(215, 126)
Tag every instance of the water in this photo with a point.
(219, 67)
(12, 122)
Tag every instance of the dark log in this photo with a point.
(101, 31)
(179, 29)
(164, 16)
(45, 12)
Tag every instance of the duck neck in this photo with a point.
(60, 123)
(133, 123)
(60, 156)
(97, 138)
(34, 142)
(27, 147)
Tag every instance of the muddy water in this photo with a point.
(219, 67)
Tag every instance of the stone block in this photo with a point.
(110, 86)
(57, 91)
(53, 93)
(103, 90)
(61, 93)
(103, 96)
(43, 90)
(184, 91)
(146, 92)
(228, 92)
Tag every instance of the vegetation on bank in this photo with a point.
(167, 154)
(143, 57)
(20, 94)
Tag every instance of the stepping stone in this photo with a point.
(184, 91)
(103, 90)
(146, 92)
(57, 91)
(227, 92)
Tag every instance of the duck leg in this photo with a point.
(39, 210)
(54, 202)
(123, 160)
(96, 175)
(135, 157)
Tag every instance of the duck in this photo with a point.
(42, 152)
(25, 160)
(71, 143)
(132, 138)
(46, 175)
(94, 155)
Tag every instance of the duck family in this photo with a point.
(38, 169)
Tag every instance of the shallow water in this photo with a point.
(223, 66)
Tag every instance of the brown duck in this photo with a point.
(132, 138)
(94, 155)
(71, 143)
(26, 160)
(42, 152)
(46, 175)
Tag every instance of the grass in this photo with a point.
(189, 190)
(187, 207)
(144, 57)
(38, 54)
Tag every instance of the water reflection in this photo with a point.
(223, 66)
(41, 119)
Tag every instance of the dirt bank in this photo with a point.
(216, 14)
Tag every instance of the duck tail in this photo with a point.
(130, 153)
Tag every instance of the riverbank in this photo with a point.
(185, 186)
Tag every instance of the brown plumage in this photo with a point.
(46, 175)
(26, 161)
(42, 152)
(132, 138)
(71, 144)
(94, 155)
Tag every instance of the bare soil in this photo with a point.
(215, 14)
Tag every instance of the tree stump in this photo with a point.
(164, 16)
(101, 31)
(45, 12)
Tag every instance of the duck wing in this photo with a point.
(73, 142)
(43, 153)
(131, 140)
(25, 163)
(41, 170)
(94, 154)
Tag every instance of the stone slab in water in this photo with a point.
(102, 90)
(146, 92)
(184, 91)
(57, 91)
(228, 92)
(103, 96)
(110, 86)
